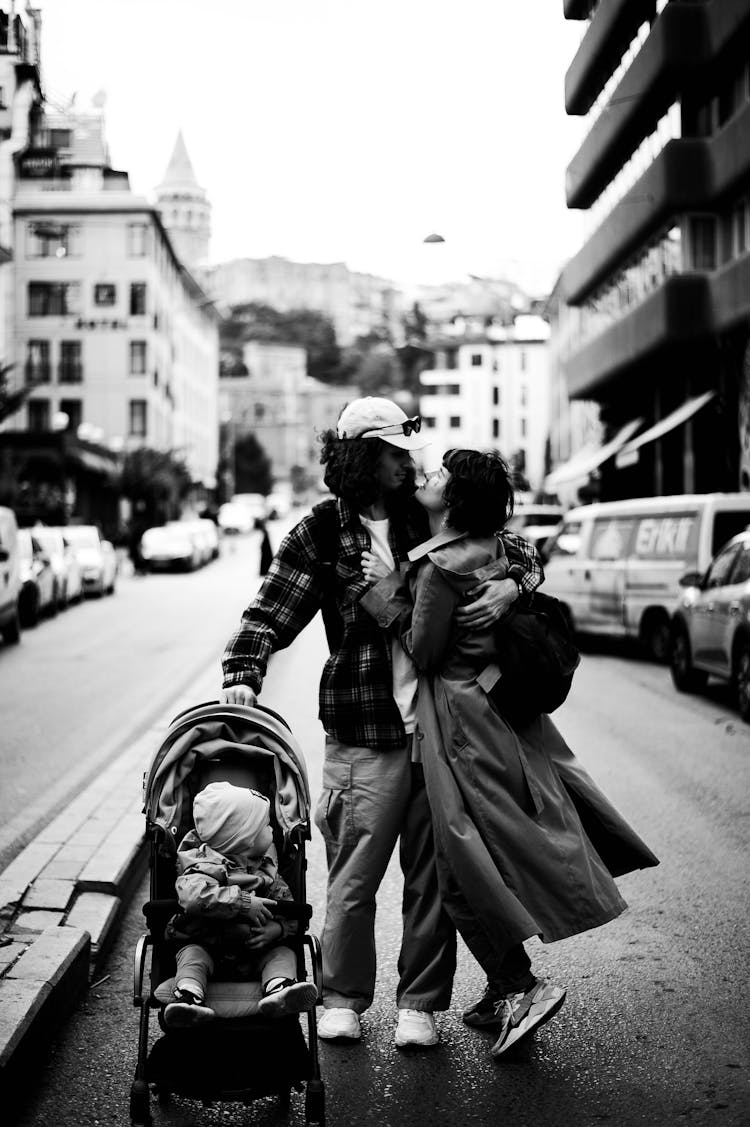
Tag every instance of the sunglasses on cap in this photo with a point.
(409, 426)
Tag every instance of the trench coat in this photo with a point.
(526, 842)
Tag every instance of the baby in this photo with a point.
(227, 866)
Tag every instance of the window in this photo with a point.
(450, 359)
(53, 299)
(137, 240)
(718, 573)
(523, 360)
(702, 242)
(73, 408)
(455, 421)
(71, 368)
(476, 359)
(60, 138)
(37, 362)
(495, 428)
(52, 240)
(524, 394)
(522, 424)
(137, 298)
(496, 397)
(428, 420)
(430, 389)
(105, 294)
(39, 414)
(137, 357)
(137, 418)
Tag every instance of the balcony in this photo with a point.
(679, 311)
(679, 180)
(677, 46)
(612, 28)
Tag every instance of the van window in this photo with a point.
(727, 525)
(611, 539)
(666, 537)
(566, 542)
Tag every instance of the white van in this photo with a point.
(10, 577)
(615, 566)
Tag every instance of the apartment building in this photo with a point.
(109, 326)
(654, 317)
(491, 391)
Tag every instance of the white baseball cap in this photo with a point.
(373, 417)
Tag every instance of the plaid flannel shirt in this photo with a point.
(355, 699)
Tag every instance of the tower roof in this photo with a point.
(179, 172)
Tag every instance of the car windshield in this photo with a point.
(83, 537)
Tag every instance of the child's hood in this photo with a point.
(228, 817)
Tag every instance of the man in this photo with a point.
(373, 787)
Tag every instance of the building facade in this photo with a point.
(111, 329)
(654, 318)
(491, 391)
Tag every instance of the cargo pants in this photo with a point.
(369, 801)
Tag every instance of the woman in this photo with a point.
(526, 843)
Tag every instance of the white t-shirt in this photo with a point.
(405, 682)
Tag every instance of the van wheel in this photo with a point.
(656, 636)
(12, 631)
(741, 675)
(686, 678)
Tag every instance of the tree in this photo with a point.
(156, 482)
(306, 327)
(11, 400)
(252, 466)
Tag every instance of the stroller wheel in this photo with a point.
(285, 1100)
(140, 1110)
(315, 1103)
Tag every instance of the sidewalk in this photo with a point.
(61, 898)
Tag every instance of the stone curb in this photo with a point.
(61, 898)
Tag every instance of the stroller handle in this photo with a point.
(256, 706)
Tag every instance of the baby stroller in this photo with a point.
(239, 1056)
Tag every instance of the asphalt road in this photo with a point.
(656, 1028)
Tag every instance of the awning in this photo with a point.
(629, 453)
(586, 461)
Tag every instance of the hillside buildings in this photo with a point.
(654, 315)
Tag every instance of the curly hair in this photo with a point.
(351, 471)
(478, 495)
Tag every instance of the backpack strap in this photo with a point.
(327, 544)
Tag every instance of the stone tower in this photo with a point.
(185, 210)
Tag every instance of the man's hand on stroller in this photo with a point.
(266, 933)
(238, 694)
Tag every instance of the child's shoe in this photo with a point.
(187, 1011)
(284, 996)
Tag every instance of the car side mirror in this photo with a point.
(691, 579)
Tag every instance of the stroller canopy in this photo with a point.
(210, 733)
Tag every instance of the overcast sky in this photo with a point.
(343, 130)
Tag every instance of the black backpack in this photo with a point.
(537, 657)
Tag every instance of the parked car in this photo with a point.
(279, 502)
(711, 626)
(10, 577)
(97, 558)
(37, 595)
(236, 518)
(256, 503)
(536, 523)
(616, 566)
(210, 534)
(65, 565)
(171, 546)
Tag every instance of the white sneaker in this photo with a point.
(337, 1023)
(415, 1028)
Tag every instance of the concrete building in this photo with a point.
(356, 303)
(185, 209)
(655, 306)
(119, 336)
(491, 391)
(284, 408)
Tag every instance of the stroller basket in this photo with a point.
(240, 1055)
